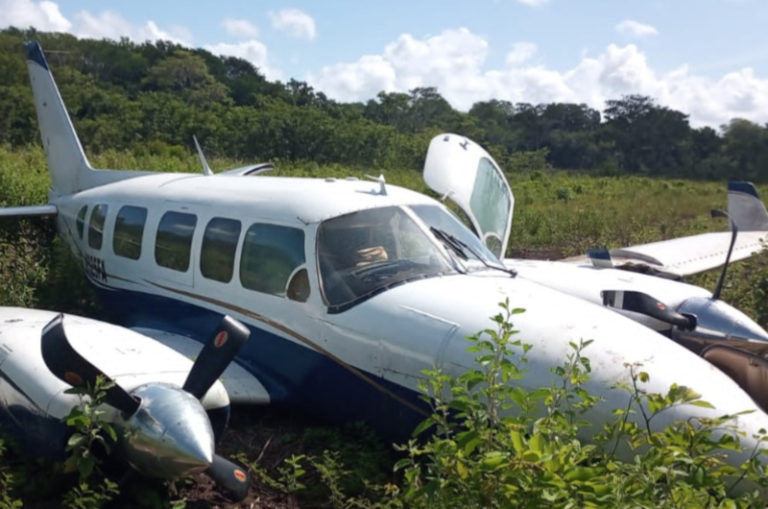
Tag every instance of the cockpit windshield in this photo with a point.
(449, 230)
(366, 252)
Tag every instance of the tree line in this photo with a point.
(152, 97)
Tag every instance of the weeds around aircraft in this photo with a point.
(349, 288)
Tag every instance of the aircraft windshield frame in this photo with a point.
(366, 252)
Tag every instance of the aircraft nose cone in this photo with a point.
(170, 435)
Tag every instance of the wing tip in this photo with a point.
(743, 187)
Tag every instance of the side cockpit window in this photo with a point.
(96, 226)
(174, 240)
(129, 229)
(271, 254)
(217, 254)
(80, 221)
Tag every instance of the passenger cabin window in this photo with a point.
(129, 228)
(174, 240)
(96, 226)
(217, 255)
(270, 256)
(80, 221)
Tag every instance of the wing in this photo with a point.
(242, 386)
(682, 256)
(688, 255)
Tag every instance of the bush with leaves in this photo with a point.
(7, 478)
(91, 434)
(492, 443)
(496, 444)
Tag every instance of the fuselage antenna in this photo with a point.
(382, 183)
(206, 169)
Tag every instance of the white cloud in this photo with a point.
(253, 51)
(240, 28)
(521, 52)
(451, 59)
(533, 3)
(26, 13)
(635, 28)
(110, 25)
(46, 16)
(294, 22)
(454, 62)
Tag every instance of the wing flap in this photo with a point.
(242, 386)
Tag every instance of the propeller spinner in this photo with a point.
(165, 430)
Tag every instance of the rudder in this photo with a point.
(67, 162)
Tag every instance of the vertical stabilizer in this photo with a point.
(67, 163)
(745, 208)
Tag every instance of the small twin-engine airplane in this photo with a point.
(166, 411)
(350, 288)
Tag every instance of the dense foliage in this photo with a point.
(153, 97)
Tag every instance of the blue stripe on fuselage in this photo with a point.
(293, 374)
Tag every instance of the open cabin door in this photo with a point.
(459, 169)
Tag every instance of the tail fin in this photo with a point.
(66, 160)
(745, 207)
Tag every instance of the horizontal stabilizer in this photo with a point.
(29, 211)
(250, 170)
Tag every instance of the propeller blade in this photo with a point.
(643, 303)
(735, 232)
(71, 367)
(231, 478)
(216, 356)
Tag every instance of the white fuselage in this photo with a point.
(362, 360)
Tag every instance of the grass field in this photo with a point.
(556, 214)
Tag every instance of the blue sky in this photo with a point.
(707, 58)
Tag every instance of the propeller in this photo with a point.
(735, 232)
(643, 303)
(232, 479)
(71, 367)
(215, 356)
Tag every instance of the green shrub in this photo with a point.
(494, 444)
